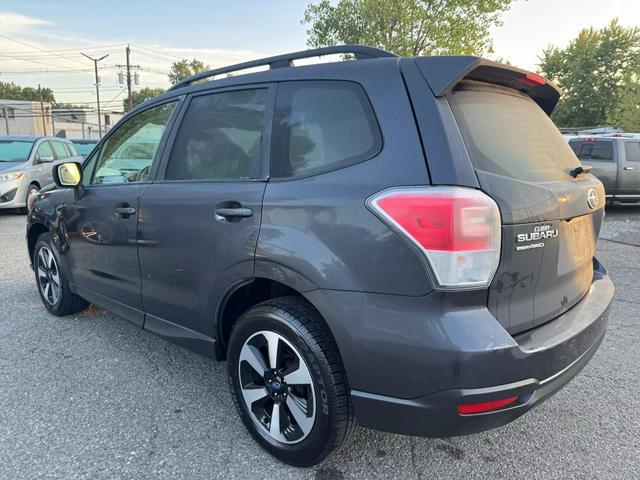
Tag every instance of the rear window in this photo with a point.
(321, 126)
(593, 150)
(510, 135)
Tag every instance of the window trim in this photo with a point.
(97, 150)
(371, 116)
(265, 144)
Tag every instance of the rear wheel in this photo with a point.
(288, 382)
(52, 281)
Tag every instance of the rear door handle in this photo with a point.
(241, 212)
(628, 168)
(125, 212)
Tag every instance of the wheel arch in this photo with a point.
(244, 295)
(35, 230)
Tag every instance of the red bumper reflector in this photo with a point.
(468, 408)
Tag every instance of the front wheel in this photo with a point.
(288, 382)
(52, 281)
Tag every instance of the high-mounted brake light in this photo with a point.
(532, 80)
(457, 229)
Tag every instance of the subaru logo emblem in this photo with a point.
(592, 199)
(276, 386)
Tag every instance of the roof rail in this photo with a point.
(286, 60)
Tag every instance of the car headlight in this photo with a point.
(5, 177)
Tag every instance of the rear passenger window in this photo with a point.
(60, 151)
(593, 150)
(632, 151)
(220, 137)
(320, 126)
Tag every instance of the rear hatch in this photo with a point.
(550, 227)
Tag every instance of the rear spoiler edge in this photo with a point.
(443, 73)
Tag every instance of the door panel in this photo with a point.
(188, 253)
(630, 171)
(103, 256)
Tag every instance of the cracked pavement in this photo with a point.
(92, 396)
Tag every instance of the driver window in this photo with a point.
(128, 153)
(44, 151)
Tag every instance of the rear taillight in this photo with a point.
(457, 229)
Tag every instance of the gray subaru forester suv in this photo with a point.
(403, 242)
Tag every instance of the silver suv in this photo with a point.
(26, 163)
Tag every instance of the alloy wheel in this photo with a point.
(48, 276)
(277, 387)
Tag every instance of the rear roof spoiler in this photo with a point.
(443, 73)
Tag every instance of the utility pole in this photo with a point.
(95, 64)
(130, 82)
(44, 125)
(129, 78)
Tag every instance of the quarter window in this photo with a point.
(128, 153)
(632, 151)
(320, 126)
(220, 137)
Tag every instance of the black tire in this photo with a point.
(295, 320)
(65, 302)
(33, 189)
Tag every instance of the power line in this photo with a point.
(158, 53)
(36, 48)
(98, 47)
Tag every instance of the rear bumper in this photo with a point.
(466, 357)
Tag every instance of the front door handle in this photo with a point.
(628, 168)
(241, 212)
(125, 212)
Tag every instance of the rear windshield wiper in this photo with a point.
(580, 170)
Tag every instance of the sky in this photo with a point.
(41, 40)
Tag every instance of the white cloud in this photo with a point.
(15, 22)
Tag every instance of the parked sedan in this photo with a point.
(84, 146)
(26, 164)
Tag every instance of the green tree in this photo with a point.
(406, 27)
(594, 70)
(185, 68)
(626, 113)
(141, 96)
(11, 91)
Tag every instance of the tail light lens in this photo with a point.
(457, 229)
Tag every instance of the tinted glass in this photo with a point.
(14, 151)
(632, 151)
(128, 153)
(219, 138)
(510, 135)
(84, 149)
(321, 125)
(44, 151)
(593, 150)
(59, 150)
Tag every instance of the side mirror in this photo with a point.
(68, 174)
(45, 159)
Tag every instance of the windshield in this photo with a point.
(508, 134)
(84, 149)
(14, 150)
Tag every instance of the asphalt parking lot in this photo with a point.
(92, 396)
